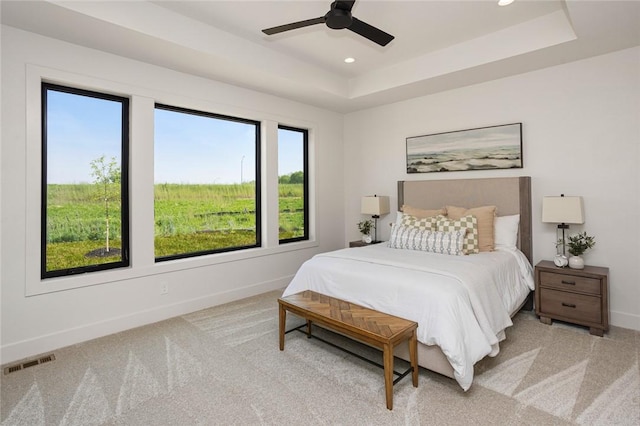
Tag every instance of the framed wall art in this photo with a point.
(484, 148)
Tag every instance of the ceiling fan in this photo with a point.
(339, 17)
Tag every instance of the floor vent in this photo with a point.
(30, 363)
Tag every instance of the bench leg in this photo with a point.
(308, 329)
(413, 357)
(282, 317)
(388, 374)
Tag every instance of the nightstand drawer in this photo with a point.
(574, 306)
(570, 283)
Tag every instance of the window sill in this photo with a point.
(52, 285)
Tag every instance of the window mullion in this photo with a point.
(141, 182)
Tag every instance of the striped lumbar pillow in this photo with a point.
(412, 238)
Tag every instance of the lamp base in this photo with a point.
(561, 241)
(375, 227)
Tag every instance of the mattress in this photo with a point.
(461, 303)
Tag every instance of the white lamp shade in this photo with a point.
(374, 205)
(562, 210)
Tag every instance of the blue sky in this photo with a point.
(188, 148)
(80, 129)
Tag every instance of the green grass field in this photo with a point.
(188, 219)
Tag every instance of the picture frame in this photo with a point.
(482, 148)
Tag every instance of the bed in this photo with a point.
(462, 305)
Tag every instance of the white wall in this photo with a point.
(118, 300)
(581, 135)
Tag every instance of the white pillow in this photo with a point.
(411, 238)
(505, 231)
(399, 216)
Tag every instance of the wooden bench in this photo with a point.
(374, 328)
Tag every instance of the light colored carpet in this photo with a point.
(222, 366)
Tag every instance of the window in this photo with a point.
(293, 184)
(207, 183)
(85, 214)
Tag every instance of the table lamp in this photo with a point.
(563, 211)
(375, 206)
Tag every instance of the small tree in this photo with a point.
(296, 177)
(107, 179)
(283, 179)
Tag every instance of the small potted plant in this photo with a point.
(578, 244)
(365, 228)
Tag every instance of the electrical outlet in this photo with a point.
(164, 287)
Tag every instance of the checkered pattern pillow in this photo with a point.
(468, 224)
(410, 238)
(424, 223)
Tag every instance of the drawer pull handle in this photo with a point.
(568, 305)
(568, 282)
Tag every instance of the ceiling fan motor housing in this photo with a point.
(338, 19)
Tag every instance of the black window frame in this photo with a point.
(305, 165)
(258, 197)
(125, 261)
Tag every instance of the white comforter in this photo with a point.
(461, 303)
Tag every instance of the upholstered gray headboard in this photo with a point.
(511, 195)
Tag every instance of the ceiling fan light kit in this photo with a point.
(339, 17)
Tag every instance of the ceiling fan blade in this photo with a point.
(344, 5)
(293, 26)
(372, 33)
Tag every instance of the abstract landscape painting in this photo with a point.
(486, 148)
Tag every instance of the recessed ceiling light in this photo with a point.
(349, 60)
(505, 2)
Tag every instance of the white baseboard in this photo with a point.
(624, 320)
(47, 343)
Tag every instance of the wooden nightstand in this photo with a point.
(360, 243)
(579, 296)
